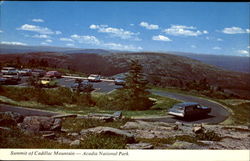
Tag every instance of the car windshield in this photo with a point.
(178, 107)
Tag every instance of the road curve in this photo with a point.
(217, 115)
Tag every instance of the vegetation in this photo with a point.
(133, 96)
(58, 96)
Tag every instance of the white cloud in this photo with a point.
(44, 43)
(70, 45)
(1, 31)
(193, 46)
(49, 41)
(131, 24)
(43, 36)
(160, 38)
(235, 30)
(38, 29)
(149, 26)
(248, 46)
(243, 52)
(219, 39)
(66, 39)
(217, 48)
(86, 39)
(115, 32)
(58, 32)
(13, 43)
(180, 30)
(38, 20)
(116, 46)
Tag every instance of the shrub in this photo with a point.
(208, 135)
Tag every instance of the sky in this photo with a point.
(220, 28)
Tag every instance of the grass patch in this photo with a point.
(76, 125)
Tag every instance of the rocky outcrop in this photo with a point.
(140, 146)
(35, 124)
(109, 131)
(10, 118)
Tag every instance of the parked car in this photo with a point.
(120, 81)
(11, 73)
(25, 72)
(188, 109)
(8, 81)
(53, 74)
(83, 86)
(38, 72)
(94, 78)
(48, 82)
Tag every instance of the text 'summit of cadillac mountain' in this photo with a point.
(124, 75)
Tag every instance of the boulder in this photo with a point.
(75, 143)
(49, 136)
(10, 118)
(184, 145)
(34, 124)
(140, 146)
(57, 125)
(110, 131)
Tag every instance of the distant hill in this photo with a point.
(161, 69)
(14, 49)
(235, 63)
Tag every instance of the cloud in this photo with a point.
(38, 29)
(115, 32)
(1, 31)
(149, 26)
(180, 30)
(160, 38)
(235, 30)
(116, 46)
(44, 43)
(13, 43)
(38, 20)
(49, 41)
(131, 24)
(243, 52)
(193, 46)
(219, 39)
(41, 36)
(70, 45)
(248, 46)
(86, 39)
(66, 39)
(217, 48)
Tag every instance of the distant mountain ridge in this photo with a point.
(234, 63)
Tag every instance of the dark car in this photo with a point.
(83, 86)
(38, 72)
(8, 81)
(25, 72)
(52, 74)
(120, 81)
(188, 109)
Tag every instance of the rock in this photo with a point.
(57, 125)
(75, 143)
(64, 130)
(10, 118)
(65, 116)
(34, 124)
(110, 131)
(198, 130)
(64, 140)
(73, 134)
(49, 136)
(140, 146)
(184, 145)
(4, 129)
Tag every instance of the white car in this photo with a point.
(94, 78)
(10, 72)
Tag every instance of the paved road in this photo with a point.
(217, 115)
(26, 111)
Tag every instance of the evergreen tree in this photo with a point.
(134, 95)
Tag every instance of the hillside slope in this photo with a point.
(161, 69)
